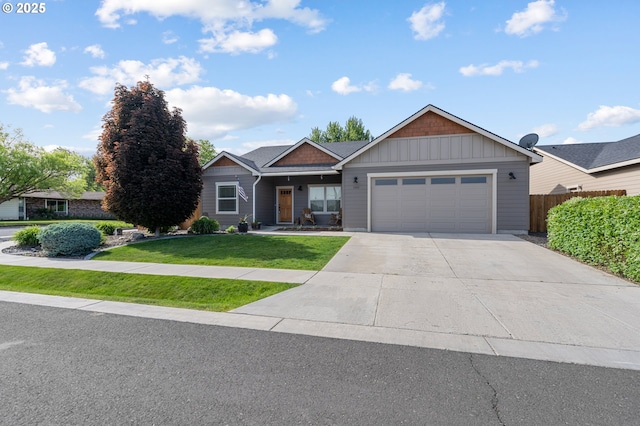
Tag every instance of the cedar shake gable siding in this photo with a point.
(304, 155)
(224, 162)
(430, 124)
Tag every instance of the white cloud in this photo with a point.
(230, 22)
(610, 117)
(546, 130)
(570, 140)
(212, 112)
(498, 69)
(343, 86)
(87, 152)
(4, 65)
(238, 42)
(168, 37)
(532, 19)
(39, 54)
(36, 94)
(93, 134)
(166, 72)
(426, 23)
(404, 82)
(95, 50)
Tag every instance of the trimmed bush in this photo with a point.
(27, 236)
(69, 239)
(107, 228)
(601, 231)
(204, 225)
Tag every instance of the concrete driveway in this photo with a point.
(492, 294)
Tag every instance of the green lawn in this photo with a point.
(211, 294)
(255, 251)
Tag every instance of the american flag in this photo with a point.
(242, 194)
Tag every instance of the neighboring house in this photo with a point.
(433, 172)
(25, 207)
(588, 167)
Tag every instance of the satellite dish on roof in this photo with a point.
(529, 141)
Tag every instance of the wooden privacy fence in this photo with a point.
(539, 205)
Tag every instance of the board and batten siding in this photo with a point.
(555, 177)
(441, 153)
(470, 148)
(9, 210)
(226, 174)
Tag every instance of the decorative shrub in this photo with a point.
(231, 229)
(68, 239)
(44, 213)
(107, 228)
(204, 225)
(27, 236)
(602, 231)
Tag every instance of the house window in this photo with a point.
(57, 206)
(325, 199)
(226, 198)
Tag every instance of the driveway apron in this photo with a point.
(499, 288)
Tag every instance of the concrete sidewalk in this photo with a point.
(490, 294)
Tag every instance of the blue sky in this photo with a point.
(253, 73)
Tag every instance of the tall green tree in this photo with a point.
(25, 167)
(89, 175)
(206, 150)
(148, 167)
(353, 130)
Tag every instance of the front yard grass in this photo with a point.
(253, 251)
(210, 294)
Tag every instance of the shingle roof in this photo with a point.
(263, 155)
(596, 155)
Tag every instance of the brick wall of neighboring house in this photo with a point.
(88, 208)
(77, 208)
(430, 124)
(305, 154)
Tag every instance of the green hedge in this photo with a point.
(601, 231)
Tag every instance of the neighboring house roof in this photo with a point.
(534, 158)
(596, 157)
(264, 160)
(87, 195)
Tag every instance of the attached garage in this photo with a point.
(456, 201)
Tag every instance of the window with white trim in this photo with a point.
(57, 206)
(325, 199)
(226, 198)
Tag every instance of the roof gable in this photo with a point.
(431, 120)
(228, 159)
(305, 152)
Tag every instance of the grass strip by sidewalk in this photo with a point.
(255, 251)
(209, 294)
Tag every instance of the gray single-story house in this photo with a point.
(433, 172)
(595, 166)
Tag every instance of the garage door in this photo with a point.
(432, 204)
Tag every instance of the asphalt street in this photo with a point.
(62, 367)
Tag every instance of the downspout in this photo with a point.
(254, 197)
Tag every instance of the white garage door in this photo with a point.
(431, 204)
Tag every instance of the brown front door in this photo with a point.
(285, 205)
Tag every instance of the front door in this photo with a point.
(285, 205)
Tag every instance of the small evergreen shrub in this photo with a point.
(601, 231)
(27, 236)
(204, 225)
(231, 229)
(44, 213)
(69, 239)
(107, 228)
